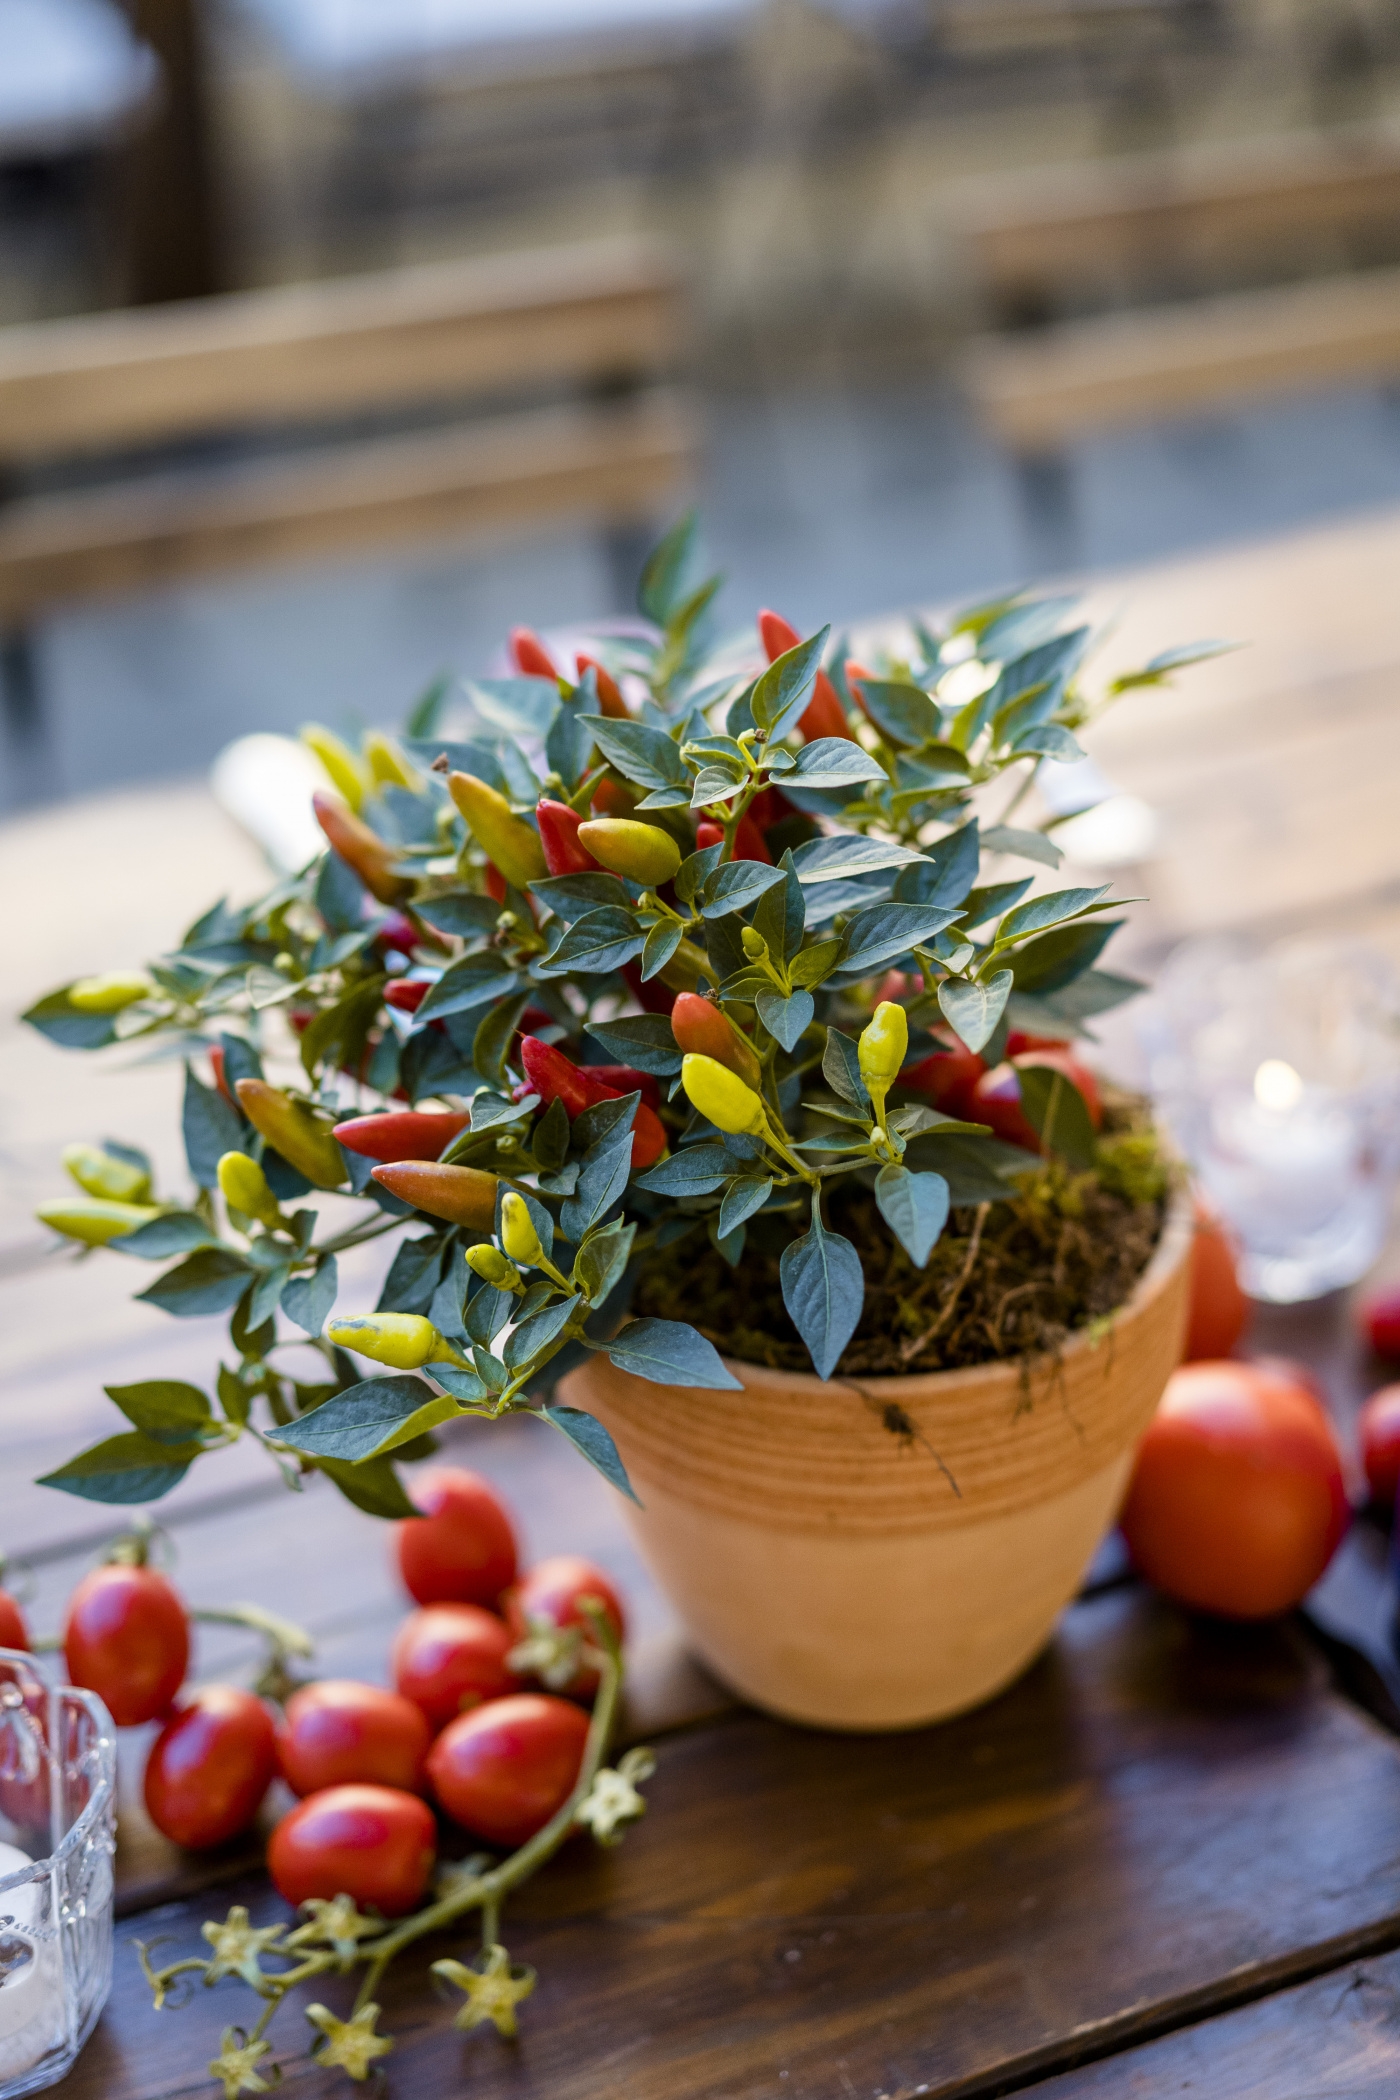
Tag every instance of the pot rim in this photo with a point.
(1173, 1246)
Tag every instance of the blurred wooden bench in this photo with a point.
(591, 332)
(1049, 241)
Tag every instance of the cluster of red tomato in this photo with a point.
(460, 1725)
(1238, 1497)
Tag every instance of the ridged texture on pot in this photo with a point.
(837, 1571)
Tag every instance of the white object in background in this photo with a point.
(1102, 828)
(71, 74)
(32, 2010)
(265, 783)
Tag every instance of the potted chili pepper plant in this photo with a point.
(715, 1062)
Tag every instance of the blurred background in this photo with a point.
(958, 294)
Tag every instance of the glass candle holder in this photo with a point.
(58, 1752)
(1278, 1073)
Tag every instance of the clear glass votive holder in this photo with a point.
(58, 1759)
(1277, 1071)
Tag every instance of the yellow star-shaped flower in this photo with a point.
(349, 2045)
(551, 1653)
(612, 1802)
(235, 2063)
(237, 1945)
(492, 1992)
(335, 1923)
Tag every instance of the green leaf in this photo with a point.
(602, 1259)
(603, 1176)
(642, 754)
(515, 705)
(307, 1300)
(413, 1275)
(903, 713)
(538, 1331)
(1051, 909)
(570, 896)
(695, 869)
(211, 1281)
(643, 1041)
(1058, 1113)
(742, 1198)
(736, 885)
(449, 1300)
(915, 1207)
(493, 1037)
(175, 1232)
(126, 1469)
(422, 717)
(984, 903)
(670, 1353)
(883, 931)
(211, 1128)
(549, 1143)
(823, 1290)
(1054, 960)
(368, 1419)
(373, 1486)
(846, 853)
(784, 692)
(948, 873)
(235, 1398)
(972, 1009)
(1048, 740)
(487, 1312)
(599, 942)
(266, 1294)
(68, 1025)
(474, 981)
(588, 1435)
(463, 912)
(813, 964)
(834, 762)
(164, 1408)
(841, 1069)
(693, 1171)
(666, 580)
(1029, 845)
(787, 1019)
(661, 944)
(780, 915)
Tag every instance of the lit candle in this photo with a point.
(32, 2015)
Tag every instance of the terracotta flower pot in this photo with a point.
(848, 1565)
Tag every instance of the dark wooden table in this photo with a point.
(1168, 1860)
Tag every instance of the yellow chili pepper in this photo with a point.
(642, 852)
(722, 1097)
(302, 1136)
(404, 1341)
(883, 1047)
(386, 762)
(373, 860)
(492, 1267)
(109, 993)
(245, 1189)
(510, 842)
(518, 1234)
(93, 1220)
(340, 762)
(97, 1173)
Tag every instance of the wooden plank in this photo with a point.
(592, 310)
(1159, 1805)
(1045, 389)
(619, 461)
(1051, 228)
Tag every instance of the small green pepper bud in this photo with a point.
(518, 1234)
(722, 1097)
(884, 1045)
(643, 852)
(754, 944)
(109, 993)
(492, 1267)
(404, 1341)
(245, 1188)
(93, 1220)
(97, 1173)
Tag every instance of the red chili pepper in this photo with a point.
(610, 698)
(749, 842)
(825, 715)
(611, 799)
(769, 806)
(405, 1134)
(407, 993)
(650, 993)
(216, 1059)
(529, 655)
(495, 883)
(555, 1077)
(563, 854)
(401, 933)
(624, 1080)
(698, 1025)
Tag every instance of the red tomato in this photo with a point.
(996, 1097)
(128, 1640)
(551, 1590)
(13, 1631)
(1380, 1316)
(504, 1770)
(210, 1766)
(449, 1657)
(1379, 1428)
(1237, 1503)
(337, 1731)
(462, 1549)
(374, 1844)
(1219, 1310)
(948, 1077)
